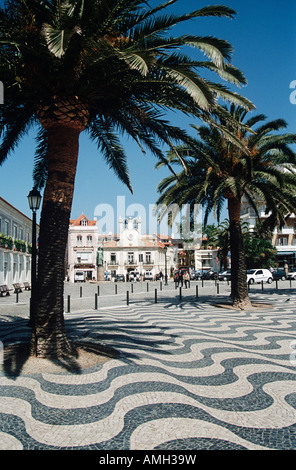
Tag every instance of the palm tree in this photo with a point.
(262, 169)
(103, 67)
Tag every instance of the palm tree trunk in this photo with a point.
(49, 336)
(239, 287)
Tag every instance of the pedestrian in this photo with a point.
(176, 279)
(186, 279)
(180, 278)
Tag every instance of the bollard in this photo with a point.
(68, 304)
(96, 301)
(147, 287)
(218, 290)
(196, 291)
(180, 293)
(115, 288)
(132, 287)
(98, 290)
(160, 285)
(17, 294)
(127, 297)
(80, 291)
(155, 296)
(276, 283)
(261, 285)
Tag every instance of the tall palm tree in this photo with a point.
(103, 67)
(217, 170)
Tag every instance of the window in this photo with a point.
(6, 228)
(79, 240)
(83, 222)
(148, 257)
(141, 258)
(130, 258)
(89, 240)
(113, 258)
(15, 231)
(84, 257)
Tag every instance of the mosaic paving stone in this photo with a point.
(189, 376)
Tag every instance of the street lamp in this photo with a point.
(165, 266)
(34, 199)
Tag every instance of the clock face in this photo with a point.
(130, 236)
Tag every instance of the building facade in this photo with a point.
(15, 245)
(82, 248)
(284, 239)
(133, 251)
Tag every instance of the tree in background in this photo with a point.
(217, 170)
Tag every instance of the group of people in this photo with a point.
(181, 278)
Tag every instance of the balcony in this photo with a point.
(113, 262)
(131, 262)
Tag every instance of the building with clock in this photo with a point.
(132, 251)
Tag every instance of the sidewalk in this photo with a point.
(188, 374)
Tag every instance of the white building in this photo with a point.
(82, 247)
(283, 239)
(15, 245)
(134, 251)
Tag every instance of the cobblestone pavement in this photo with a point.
(189, 375)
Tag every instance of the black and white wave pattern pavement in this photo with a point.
(189, 376)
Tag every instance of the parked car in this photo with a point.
(209, 275)
(225, 275)
(134, 276)
(292, 274)
(79, 276)
(148, 276)
(279, 274)
(119, 278)
(259, 275)
(199, 274)
(159, 277)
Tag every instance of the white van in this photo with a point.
(259, 275)
(148, 276)
(79, 276)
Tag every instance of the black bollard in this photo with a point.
(127, 297)
(80, 291)
(96, 301)
(68, 304)
(155, 296)
(196, 291)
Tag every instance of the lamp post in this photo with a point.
(34, 199)
(165, 266)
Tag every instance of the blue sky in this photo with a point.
(264, 39)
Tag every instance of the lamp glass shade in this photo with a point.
(34, 199)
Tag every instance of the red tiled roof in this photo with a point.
(77, 222)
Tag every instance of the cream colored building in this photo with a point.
(82, 247)
(134, 251)
(15, 245)
(283, 239)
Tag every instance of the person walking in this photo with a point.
(186, 279)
